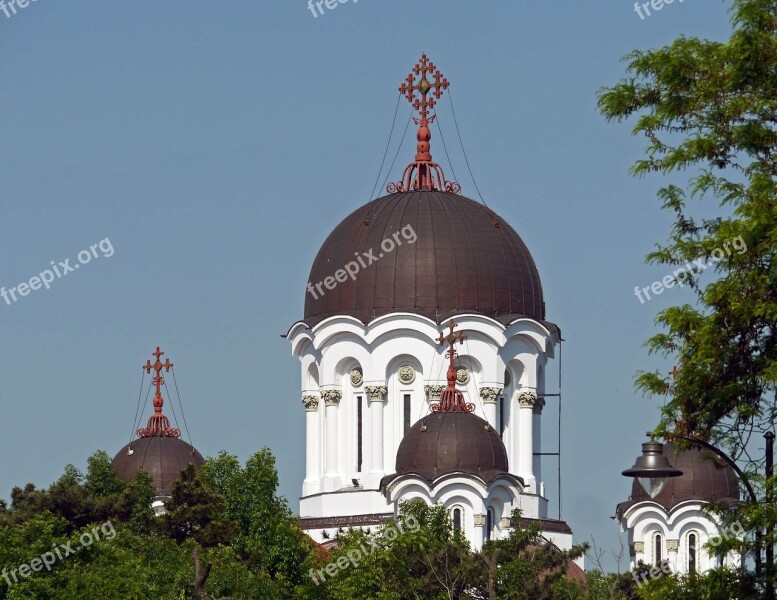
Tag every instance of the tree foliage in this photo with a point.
(431, 560)
(247, 545)
(708, 111)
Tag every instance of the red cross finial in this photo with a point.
(423, 174)
(424, 86)
(451, 399)
(158, 425)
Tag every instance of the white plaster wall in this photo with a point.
(643, 520)
(329, 351)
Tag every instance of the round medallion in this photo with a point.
(406, 374)
(356, 377)
(462, 376)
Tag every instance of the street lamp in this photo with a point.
(652, 469)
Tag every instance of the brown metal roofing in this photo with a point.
(704, 477)
(163, 457)
(450, 442)
(466, 259)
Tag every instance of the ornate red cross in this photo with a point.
(423, 174)
(451, 399)
(423, 68)
(451, 338)
(158, 425)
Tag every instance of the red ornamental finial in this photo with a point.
(423, 174)
(158, 425)
(451, 399)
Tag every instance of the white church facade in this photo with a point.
(676, 528)
(385, 286)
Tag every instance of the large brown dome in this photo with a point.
(163, 457)
(704, 477)
(450, 442)
(466, 258)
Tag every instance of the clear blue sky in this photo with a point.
(217, 144)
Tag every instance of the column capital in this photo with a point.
(639, 547)
(672, 545)
(332, 397)
(310, 402)
(489, 395)
(480, 520)
(433, 392)
(376, 392)
(527, 399)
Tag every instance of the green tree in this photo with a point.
(195, 512)
(421, 556)
(148, 557)
(268, 537)
(710, 108)
(524, 566)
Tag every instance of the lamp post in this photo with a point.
(769, 529)
(652, 469)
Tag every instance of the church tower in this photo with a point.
(158, 448)
(384, 288)
(673, 526)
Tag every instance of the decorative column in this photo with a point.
(433, 392)
(539, 404)
(480, 530)
(637, 554)
(672, 555)
(310, 402)
(490, 396)
(376, 394)
(525, 431)
(332, 402)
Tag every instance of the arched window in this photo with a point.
(456, 519)
(658, 547)
(693, 540)
(489, 523)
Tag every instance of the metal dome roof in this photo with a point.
(450, 442)
(158, 449)
(704, 477)
(163, 457)
(450, 255)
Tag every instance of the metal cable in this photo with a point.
(172, 406)
(139, 410)
(445, 147)
(393, 162)
(183, 415)
(427, 405)
(385, 153)
(464, 152)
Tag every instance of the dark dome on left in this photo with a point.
(157, 448)
(163, 457)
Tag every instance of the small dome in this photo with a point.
(705, 477)
(163, 457)
(450, 442)
(444, 254)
